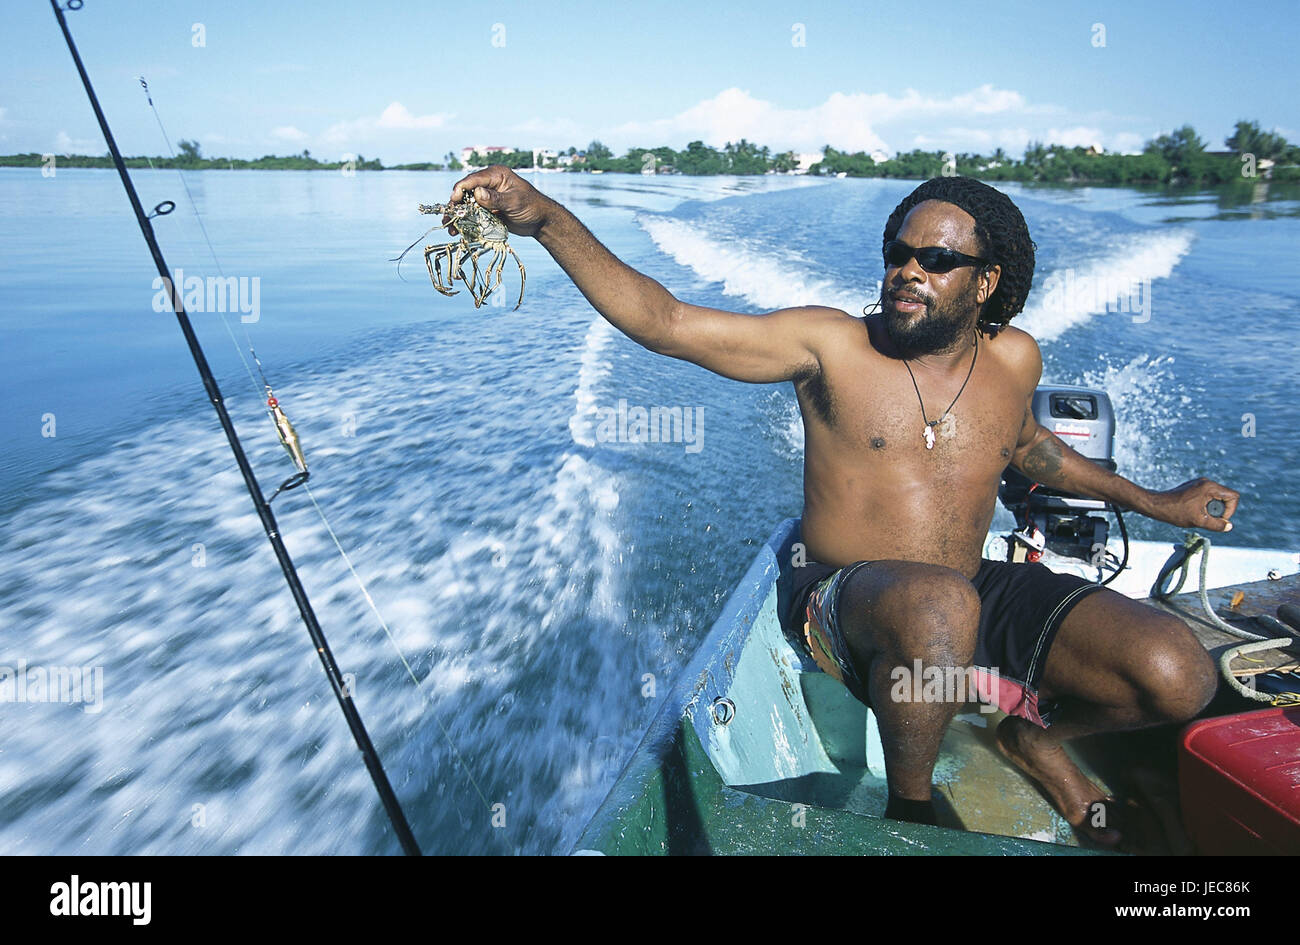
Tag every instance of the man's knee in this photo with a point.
(914, 611)
(1175, 676)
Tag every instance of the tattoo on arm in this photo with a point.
(1043, 462)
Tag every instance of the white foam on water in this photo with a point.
(593, 368)
(1139, 392)
(213, 695)
(760, 276)
(787, 422)
(1068, 296)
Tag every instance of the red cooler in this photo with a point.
(1239, 781)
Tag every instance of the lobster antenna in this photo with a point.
(398, 259)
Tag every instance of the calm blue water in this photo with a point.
(533, 575)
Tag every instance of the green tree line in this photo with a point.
(1175, 158)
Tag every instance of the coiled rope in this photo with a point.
(1178, 563)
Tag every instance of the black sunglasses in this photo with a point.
(936, 259)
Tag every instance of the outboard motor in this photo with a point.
(1047, 519)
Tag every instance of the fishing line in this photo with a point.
(401, 656)
(278, 418)
(342, 694)
(285, 431)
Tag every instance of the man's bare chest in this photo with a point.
(880, 415)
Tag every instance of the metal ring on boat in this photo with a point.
(724, 710)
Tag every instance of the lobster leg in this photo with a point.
(477, 278)
(522, 277)
(482, 280)
(457, 263)
(442, 285)
(473, 282)
(500, 260)
(492, 269)
(449, 278)
(430, 251)
(433, 260)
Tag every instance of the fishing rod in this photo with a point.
(341, 690)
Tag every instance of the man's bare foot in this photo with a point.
(1075, 797)
(916, 812)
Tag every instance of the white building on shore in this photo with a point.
(806, 161)
(487, 150)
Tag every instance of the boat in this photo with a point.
(756, 751)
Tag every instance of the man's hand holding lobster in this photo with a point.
(520, 205)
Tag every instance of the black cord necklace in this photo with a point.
(928, 432)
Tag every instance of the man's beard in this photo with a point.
(939, 329)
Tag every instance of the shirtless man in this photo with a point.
(899, 493)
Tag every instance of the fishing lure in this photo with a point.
(288, 435)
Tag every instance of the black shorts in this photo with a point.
(1022, 607)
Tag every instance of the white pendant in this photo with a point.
(929, 437)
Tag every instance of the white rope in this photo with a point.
(1250, 692)
(1199, 544)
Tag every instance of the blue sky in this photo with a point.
(407, 81)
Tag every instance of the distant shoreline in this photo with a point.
(821, 171)
(1178, 158)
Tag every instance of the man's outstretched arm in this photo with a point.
(1045, 458)
(756, 348)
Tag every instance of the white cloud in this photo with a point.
(391, 126)
(734, 114)
(981, 119)
(66, 144)
(398, 115)
(979, 139)
(1076, 137)
(1127, 142)
(848, 121)
(288, 133)
(1014, 139)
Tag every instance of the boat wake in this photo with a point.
(493, 556)
(1119, 283)
(750, 271)
(1140, 391)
